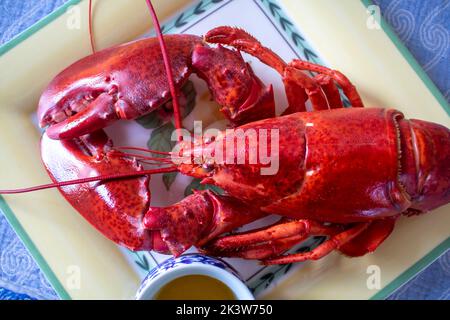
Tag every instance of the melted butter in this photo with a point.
(195, 287)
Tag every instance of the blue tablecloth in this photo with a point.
(424, 26)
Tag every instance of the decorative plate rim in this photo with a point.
(381, 294)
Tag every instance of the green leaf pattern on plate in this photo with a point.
(161, 121)
(142, 261)
(160, 139)
(169, 178)
(196, 185)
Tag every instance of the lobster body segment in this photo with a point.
(337, 166)
(351, 167)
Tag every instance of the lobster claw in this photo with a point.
(121, 82)
(97, 115)
(129, 81)
(115, 208)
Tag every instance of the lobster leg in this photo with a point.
(294, 79)
(269, 241)
(348, 88)
(370, 239)
(299, 86)
(319, 90)
(272, 248)
(331, 91)
(335, 242)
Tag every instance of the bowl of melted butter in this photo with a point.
(193, 277)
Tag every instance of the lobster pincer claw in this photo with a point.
(122, 82)
(97, 115)
(198, 218)
(113, 207)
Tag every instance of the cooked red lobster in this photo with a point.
(345, 173)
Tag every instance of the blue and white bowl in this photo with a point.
(192, 264)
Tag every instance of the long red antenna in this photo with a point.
(91, 34)
(91, 179)
(167, 66)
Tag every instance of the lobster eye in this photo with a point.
(209, 139)
(208, 167)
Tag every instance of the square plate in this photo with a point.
(348, 36)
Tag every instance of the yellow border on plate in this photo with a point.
(337, 29)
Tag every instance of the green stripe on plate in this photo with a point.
(412, 271)
(29, 244)
(411, 60)
(36, 27)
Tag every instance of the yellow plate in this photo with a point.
(65, 246)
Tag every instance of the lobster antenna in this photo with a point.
(143, 150)
(158, 160)
(91, 179)
(91, 34)
(167, 66)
